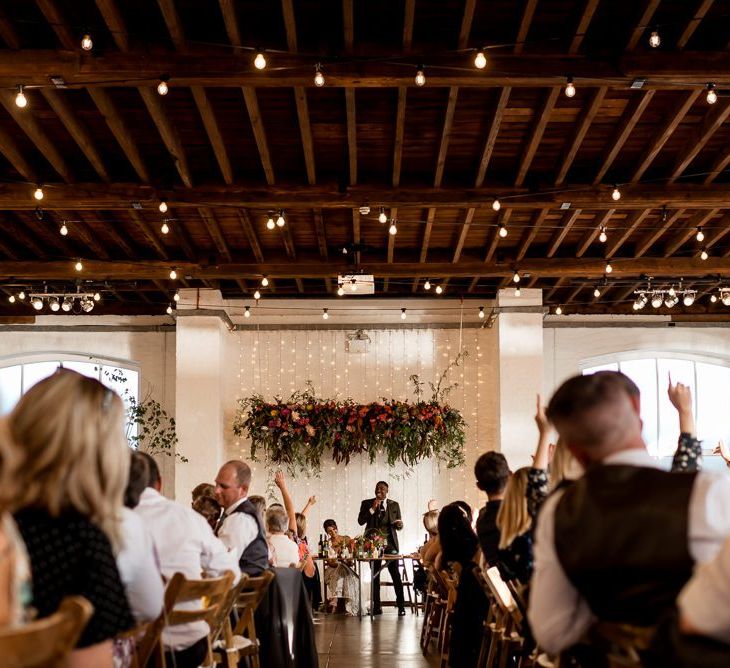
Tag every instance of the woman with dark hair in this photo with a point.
(338, 578)
(460, 545)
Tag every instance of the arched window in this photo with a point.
(18, 374)
(708, 379)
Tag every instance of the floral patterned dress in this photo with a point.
(339, 580)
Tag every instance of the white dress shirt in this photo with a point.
(284, 551)
(559, 616)
(704, 599)
(139, 568)
(185, 544)
(382, 505)
(237, 530)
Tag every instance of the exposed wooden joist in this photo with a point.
(553, 291)
(496, 120)
(565, 225)
(630, 225)
(10, 149)
(530, 233)
(213, 131)
(60, 26)
(694, 23)
(257, 125)
(149, 233)
(115, 231)
(651, 237)
(400, 122)
(114, 21)
(8, 32)
(722, 229)
(250, 232)
(47, 230)
(214, 230)
(574, 294)
(321, 236)
(503, 219)
(674, 118)
(430, 216)
(231, 22)
(650, 6)
(445, 135)
(351, 133)
(700, 219)
(463, 234)
(538, 128)
(588, 11)
(82, 231)
(173, 23)
(527, 13)
(590, 236)
(22, 235)
(719, 165)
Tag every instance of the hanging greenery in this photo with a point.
(297, 432)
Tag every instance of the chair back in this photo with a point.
(211, 593)
(46, 643)
(248, 600)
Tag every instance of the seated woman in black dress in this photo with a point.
(65, 463)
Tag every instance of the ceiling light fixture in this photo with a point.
(163, 206)
(700, 234)
(257, 295)
(78, 266)
(393, 229)
(325, 315)
(654, 39)
(173, 274)
(20, 99)
(247, 312)
(64, 229)
(403, 314)
(280, 220)
(162, 87)
(480, 60)
(382, 218)
(711, 93)
(86, 42)
(496, 205)
(270, 224)
(603, 237)
(318, 76)
(38, 193)
(439, 289)
(502, 231)
(427, 285)
(570, 88)
(481, 312)
(259, 61)
(165, 228)
(420, 76)
(616, 194)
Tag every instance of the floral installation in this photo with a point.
(372, 543)
(296, 432)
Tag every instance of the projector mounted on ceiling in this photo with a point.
(357, 284)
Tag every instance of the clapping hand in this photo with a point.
(279, 479)
(723, 451)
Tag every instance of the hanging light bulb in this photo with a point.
(37, 303)
(163, 206)
(280, 221)
(165, 228)
(259, 61)
(616, 194)
(420, 76)
(38, 193)
(439, 289)
(725, 297)
(481, 313)
(558, 310)
(265, 281)
(340, 291)
(602, 237)
(247, 312)
(713, 297)
(480, 60)
(711, 93)
(257, 295)
(654, 39)
(393, 229)
(700, 234)
(97, 297)
(21, 295)
(570, 88)
(325, 315)
(168, 310)
(704, 254)
(516, 277)
(86, 43)
(689, 298)
(67, 304)
(78, 266)
(270, 224)
(318, 77)
(382, 218)
(173, 274)
(176, 296)
(518, 292)
(502, 231)
(427, 285)
(609, 268)
(496, 205)
(64, 229)
(671, 291)
(162, 87)
(636, 305)
(353, 285)
(596, 293)
(22, 102)
(54, 304)
(11, 299)
(403, 314)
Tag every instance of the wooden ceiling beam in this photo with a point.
(632, 222)
(584, 123)
(8, 32)
(214, 230)
(527, 13)
(588, 11)
(44, 228)
(528, 236)
(391, 247)
(566, 224)
(259, 133)
(173, 23)
(463, 234)
(114, 21)
(230, 20)
(351, 133)
(212, 129)
(674, 118)
(717, 235)
(628, 121)
(700, 219)
(10, 149)
(445, 136)
(574, 294)
(21, 234)
(590, 236)
(114, 230)
(149, 233)
(539, 124)
(430, 217)
(321, 236)
(82, 231)
(56, 20)
(250, 232)
(400, 123)
(494, 124)
(651, 237)
(718, 166)
(553, 291)
(650, 6)
(694, 23)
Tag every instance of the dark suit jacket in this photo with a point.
(381, 521)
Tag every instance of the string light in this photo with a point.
(516, 277)
(173, 274)
(21, 295)
(37, 303)
(616, 194)
(325, 315)
(596, 293)
(420, 76)
(340, 291)
(259, 61)
(247, 312)
(162, 87)
(165, 228)
(704, 254)
(725, 297)
(11, 299)
(78, 266)
(481, 312)
(176, 296)
(672, 292)
(609, 268)
(64, 229)
(700, 234)
(281, 221)
(654, 39)
(318, 76)
(257, 295)
(382, 218)
(427, 285)
(711, 93)
(168, 310)
(97, 297)
(22, 102)
(86, 43)
(558, 310)
(38, 193)
(403, 314)
(439, 289)
(393, 229)
(480, 60)
(353, 285)
(270, 224)
(602, 237)
(265, 281)
(570, 88)
(713, 297)
(518, 292)
(163, 206)
(502, 231)
(496, 205)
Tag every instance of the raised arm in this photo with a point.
(288, 503)
(310, 502)
(366, 512)
(537, 482)
(688, 456)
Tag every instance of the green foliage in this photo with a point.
(296, 432)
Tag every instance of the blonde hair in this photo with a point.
(563, 466)
(63, 447)
(513, 518)
(431, 522)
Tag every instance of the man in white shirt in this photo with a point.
(240, 527)
(618, 544)
(185, 544)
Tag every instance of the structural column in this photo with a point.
(520, 339)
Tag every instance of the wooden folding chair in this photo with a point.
(225, 648)
(244, 636)
(46, 643)
(451, 580)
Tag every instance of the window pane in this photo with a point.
(713, 390)
(9, 388)
(643, 373)
(682, 371)
(123, 381)
(85, 368)
(601, 367)
(36, 371)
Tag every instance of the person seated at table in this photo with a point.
(432, 547)
(340, 580)
(209, 508)
(259, 503)
(203, 489)
(283, 550)
(312, 583)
